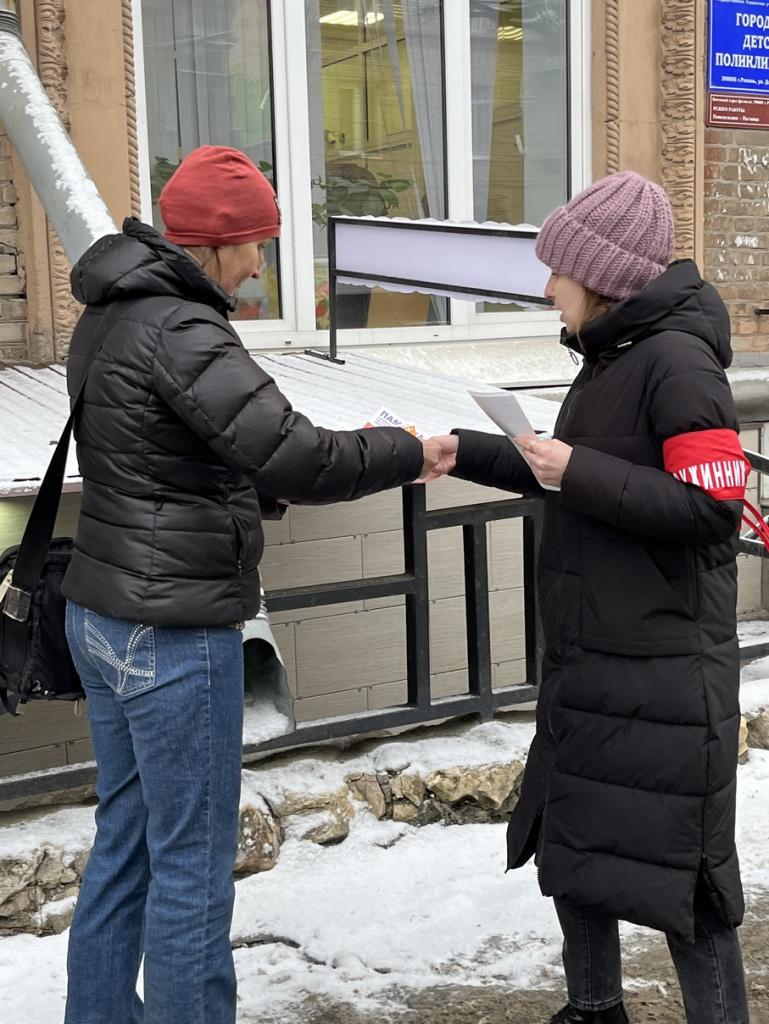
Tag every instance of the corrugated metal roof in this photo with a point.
(34, 406)
(33, 410)
(505, 362)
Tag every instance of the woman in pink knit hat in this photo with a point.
(628, 800)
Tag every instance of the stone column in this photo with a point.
(648, 96)
(682, 99)
(626, 75)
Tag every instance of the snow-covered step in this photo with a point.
(754, 639)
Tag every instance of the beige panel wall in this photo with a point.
(44, 735)
(352, 657)
(14, 513)
(340, 659)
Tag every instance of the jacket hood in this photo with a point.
(678, 300)
(140, 261)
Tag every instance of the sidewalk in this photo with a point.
(401, 922)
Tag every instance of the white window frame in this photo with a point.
(296, 330)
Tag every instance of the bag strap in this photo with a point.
(33, 549)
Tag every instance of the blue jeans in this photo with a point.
(166, 713)
(709, 969)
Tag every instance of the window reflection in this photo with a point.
(519, 103)
(375, 77)
(208, 81)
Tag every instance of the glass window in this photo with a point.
(208, 81)
(519, 110)
(377, 146)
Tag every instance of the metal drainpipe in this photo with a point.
(71, 201)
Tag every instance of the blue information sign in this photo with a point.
(738, 46)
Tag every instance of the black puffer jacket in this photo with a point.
(179, 430)
(629, 791)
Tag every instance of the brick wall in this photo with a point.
(736, 239)
(13, 305)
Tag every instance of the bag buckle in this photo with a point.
(17, 604)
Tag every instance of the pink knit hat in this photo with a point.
(615, 238)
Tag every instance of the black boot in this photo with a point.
(571, 1015)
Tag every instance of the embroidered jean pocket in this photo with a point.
(125, 652)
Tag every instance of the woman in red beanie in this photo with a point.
(628, 799)
(184, 443)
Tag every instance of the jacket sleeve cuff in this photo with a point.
(475, 455)
(492, 461)
(417, 454)
(594, 484)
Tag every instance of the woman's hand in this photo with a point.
(440, 457)
(548, 459)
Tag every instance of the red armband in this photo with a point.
(712, 460)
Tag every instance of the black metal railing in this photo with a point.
(482, 699)
(413, 584)
(749, 544)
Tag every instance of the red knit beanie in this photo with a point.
(217, 196)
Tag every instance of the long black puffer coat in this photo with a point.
(180, 435)
(629, 790)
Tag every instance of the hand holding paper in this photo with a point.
(548, 459)
(504, 409)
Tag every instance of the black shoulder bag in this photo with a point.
(35, 662)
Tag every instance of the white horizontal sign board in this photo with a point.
(474, 260)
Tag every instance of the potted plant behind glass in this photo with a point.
(163, 168)
(351, 191)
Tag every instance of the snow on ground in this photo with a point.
(753, 629)
(397, 906)
(435, 907)
(754, 676)
(393, 906)
(322, 772)
(71, 829)
(262, 722)
(754, 690)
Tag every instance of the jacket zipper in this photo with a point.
(241, 545)
(540, 852)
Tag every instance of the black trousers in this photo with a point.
(709, 969)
